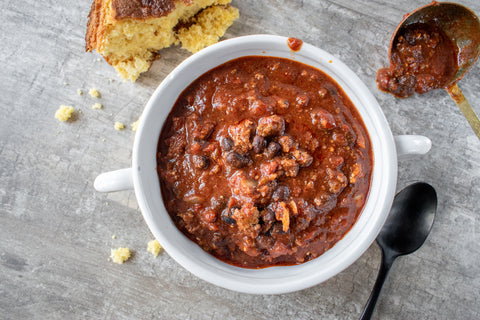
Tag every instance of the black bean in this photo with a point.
(281, 193)
(272, 150)
(201, 162)
(227, 144)
(259, 144)
(226, 215)
(236, 160)
(277, 229)
(268, 218)
(265, 241)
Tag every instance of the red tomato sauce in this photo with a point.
(264, 161)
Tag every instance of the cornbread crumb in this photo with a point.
(119, 126)
(94, 93)
(64, 113)
(154, 247)
(79, 91)
(120, 255)
(135, 125)
(97, 106)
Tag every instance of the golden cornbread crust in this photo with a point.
(129, 33)
(93, 26)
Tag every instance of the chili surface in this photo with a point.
(264, 161)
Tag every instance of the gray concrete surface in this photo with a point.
(56, 231)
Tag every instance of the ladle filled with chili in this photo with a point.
(432, 48)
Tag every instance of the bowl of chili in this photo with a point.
(163, 165)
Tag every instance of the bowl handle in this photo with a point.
(112, 181)
(412, 144)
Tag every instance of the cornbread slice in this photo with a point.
(129, 33)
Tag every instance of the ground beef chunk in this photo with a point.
(241, 135)
(271, 126)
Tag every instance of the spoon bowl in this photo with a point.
(410, 220)
(406, 229)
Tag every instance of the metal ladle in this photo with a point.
(462, 26)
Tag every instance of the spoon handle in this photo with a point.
(467, 110)
(387, 261)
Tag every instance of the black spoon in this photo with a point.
(407, 226)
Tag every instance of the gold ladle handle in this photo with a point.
(467, 110)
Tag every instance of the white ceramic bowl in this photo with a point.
(143, 175)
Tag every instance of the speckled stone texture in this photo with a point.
(56, 230)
